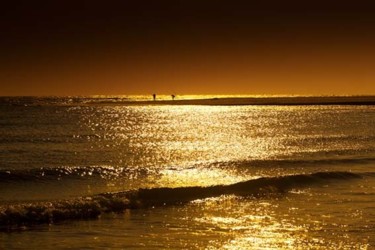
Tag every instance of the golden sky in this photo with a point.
(187, 47)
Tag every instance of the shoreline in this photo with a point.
(242, 101)
(208, 101)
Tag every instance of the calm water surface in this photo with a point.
(307, 175)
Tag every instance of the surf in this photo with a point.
(24, 215)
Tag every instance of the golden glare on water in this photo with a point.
(198, 177)
(247, 223)
(251, 224)
(193, 138)
(207, 145)
(196, 132)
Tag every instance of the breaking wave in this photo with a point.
(20, 216)
(113, 172)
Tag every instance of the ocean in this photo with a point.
(85, 173)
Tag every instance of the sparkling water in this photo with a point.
(76, 175)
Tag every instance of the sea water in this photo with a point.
(83, 173)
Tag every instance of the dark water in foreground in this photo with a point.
(189, 177)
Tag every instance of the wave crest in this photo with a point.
(23, 215)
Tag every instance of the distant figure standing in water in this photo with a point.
(173, 96)
(154, 96)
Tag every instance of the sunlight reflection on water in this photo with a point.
(257, 224)
(185, 136)
(165, 138)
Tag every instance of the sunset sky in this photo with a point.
(187, 47)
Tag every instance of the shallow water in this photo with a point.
(52, 154)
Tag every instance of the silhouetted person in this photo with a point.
(173, 96)
(154, 96)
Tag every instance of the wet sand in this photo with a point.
(310, 100)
